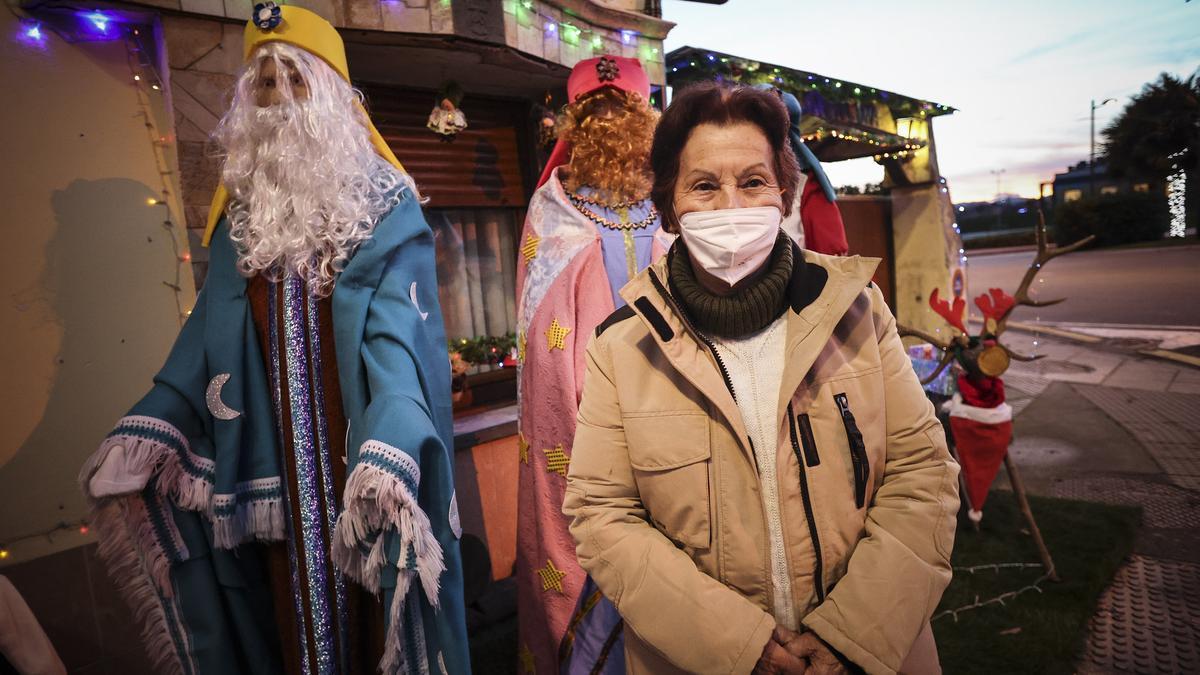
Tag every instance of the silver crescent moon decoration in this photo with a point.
(455, 523)
(212, 397)
(412, 295)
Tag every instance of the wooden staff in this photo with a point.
(1014, 477)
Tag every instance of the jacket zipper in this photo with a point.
(811, 457)
(818, 578)
(818, 564)
(700, 336)
(858, 450)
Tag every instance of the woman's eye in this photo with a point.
(755, 183)
(297, 82)
(269, 82)
(705, 186)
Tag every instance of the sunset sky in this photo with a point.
(1021, 73)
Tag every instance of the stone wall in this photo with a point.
(527, 27)
(203, 56)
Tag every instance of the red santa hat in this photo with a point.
(622, 73)
(982, 426)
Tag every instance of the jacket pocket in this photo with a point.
(670, 457)
(808, 443)
(858, 450)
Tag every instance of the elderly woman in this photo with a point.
(758, 482)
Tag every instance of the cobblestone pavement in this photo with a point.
(1128, 633)
(1102, 423)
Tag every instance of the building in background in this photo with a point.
(1079, 181)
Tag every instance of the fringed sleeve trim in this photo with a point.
(152, 446)
(253, 512)
(380, 497)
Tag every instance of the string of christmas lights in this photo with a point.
(998, 600)
(878, 139)
(996, 567)
(707, 64)
(79, 526)
(98, 25)
(568, 32)
(145, 79)
(1176, 188)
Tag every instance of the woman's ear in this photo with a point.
(670, 224)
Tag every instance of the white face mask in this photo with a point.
(731, 243)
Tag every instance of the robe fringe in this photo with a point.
(254, 512)
(140, 567)
(380, 498)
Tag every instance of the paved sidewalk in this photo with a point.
(1101, 421)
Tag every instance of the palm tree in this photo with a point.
(1146, 138)
(1160, 121)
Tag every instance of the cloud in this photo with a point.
(1059, 45)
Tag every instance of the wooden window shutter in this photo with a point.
(481, 167)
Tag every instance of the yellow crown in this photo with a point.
(304, 29)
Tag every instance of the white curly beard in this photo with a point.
(306, 184)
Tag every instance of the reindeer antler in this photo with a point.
(995, 305)
(1018, 356)
(1044, 255)
(947, 348)
(953, 316)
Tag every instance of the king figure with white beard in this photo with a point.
(282, 499)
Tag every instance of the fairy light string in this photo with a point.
(145, 80)
(567, 30)
(80, 526)
(1001, 599)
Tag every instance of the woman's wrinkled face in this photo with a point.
(726, 167)
(268, 89)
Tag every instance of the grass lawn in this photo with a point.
(1034, 632)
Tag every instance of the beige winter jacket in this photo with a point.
(664, 493)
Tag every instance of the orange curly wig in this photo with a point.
(610, 132)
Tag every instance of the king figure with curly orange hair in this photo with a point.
(591, 228)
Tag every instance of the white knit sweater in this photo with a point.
(755, 366)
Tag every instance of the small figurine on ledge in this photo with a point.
(446, 119)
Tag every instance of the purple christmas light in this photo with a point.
(98, 21)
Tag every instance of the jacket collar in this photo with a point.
(821, 291)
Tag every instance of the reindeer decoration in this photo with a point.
(980, 420)
(984, 355)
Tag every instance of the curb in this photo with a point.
(983, 252)
(1174, 356)
(1178, 357)
(1057, 332)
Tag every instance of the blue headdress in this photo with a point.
(808, 161)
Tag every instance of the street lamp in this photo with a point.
(1092, 157)
(996, 202)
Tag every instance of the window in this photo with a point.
(1108, 190)
(1141, 187)
(476, 205)
(1072, 195)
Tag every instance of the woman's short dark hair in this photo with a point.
(721, 104)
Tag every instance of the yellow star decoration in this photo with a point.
(557, 460)
(523, 448)
(521, 342)
(530, 248)
(527, 659)
(556, 335)
(551, 577)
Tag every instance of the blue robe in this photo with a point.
(206, 435)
